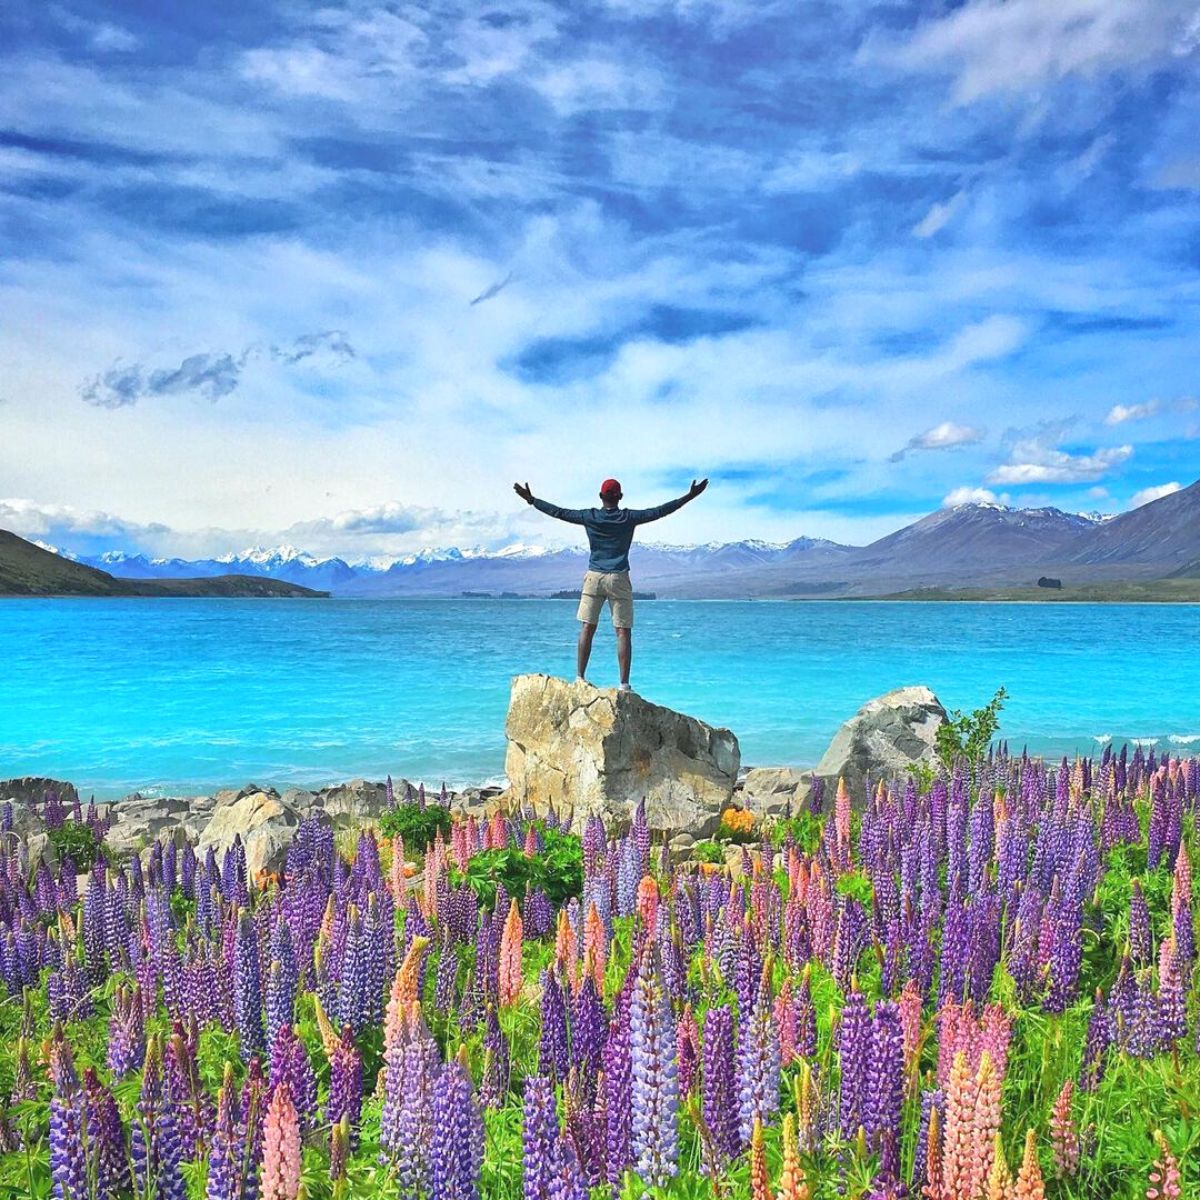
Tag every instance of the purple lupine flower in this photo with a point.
(154, 1142)
(1096, 1044)
(106, 1139)
(457, 1149)
(806, 1018)
(553, 1053)
(884, 1094)
(189, 1103)
(718, 1099)
(247, 995)
(655, 1086)
(345, 1084)
(494, 1086)
(757, 1067)
(589, 1029)
(226, 1158)
(290, 1063)
(1141, 946)
(68, 1161)
(854, 1051)
(618, 1089)
(540, 1138)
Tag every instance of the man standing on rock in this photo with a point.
(610, 534)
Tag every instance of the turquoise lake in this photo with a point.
(189, 695)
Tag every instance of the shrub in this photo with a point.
(76, 842)
(737, 825)
(557, 870)
(969, 735)
(708, 852)
(416, 825)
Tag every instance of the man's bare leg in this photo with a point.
(584, 650)
(624, 653)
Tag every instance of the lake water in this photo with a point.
(190, 695)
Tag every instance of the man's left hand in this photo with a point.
(697, 488)
(522, 490)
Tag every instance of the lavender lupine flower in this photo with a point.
(1141, 947)
(494, 1086)
(1096, 1044)
(655, 1087)
(457, 1150)
(757, 1066)
(414, 1125)
(106, 1139)
(854, 1051)
(247, 996)
(589, 1029)
(718, 1097)
(282, 978)
(540, 1138)
(806, 1018)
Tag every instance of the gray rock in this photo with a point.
(598, 750)
(881, 740)
(138, 821)
(32, 789)
(261, 819)
(774, 791)
(351, 803)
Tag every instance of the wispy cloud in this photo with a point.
(1120, 413)
(1037, 460)
(945, 436)
(971, 495)
(209, 375)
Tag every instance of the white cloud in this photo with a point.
(938, 216)
(945, 436)
(1032, 460)
(1120, 413)
(994, 46)
(1154, 493)
(971, 495)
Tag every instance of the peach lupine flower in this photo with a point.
(793, 1183)
(281, 1147)
(955, 1172)
(1064, 1138)
(647, 903)
(934, 1163)
(1000, 1181)
(760, 1182)
(566, 949)
(1030, 1184)
(985, 1124)
(595, 942)
(512, 942)
(399, 877)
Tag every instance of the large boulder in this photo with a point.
(351, 803)
(261, 819)
(599, 750)
(138, 821)
(883, 739)
(774, 791)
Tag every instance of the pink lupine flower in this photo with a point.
(399, 876)
(595, 945)
(1030, 1185)
(281, 1147)
(1166, 1182)
(1064, 1137)
(910, 1021)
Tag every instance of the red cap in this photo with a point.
(610, 487)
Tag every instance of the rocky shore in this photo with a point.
(571, 746)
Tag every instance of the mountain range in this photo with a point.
(967, 546)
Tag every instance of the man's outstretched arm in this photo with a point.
(573, 516)
(642, 516)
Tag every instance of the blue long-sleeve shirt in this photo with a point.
(609, 530)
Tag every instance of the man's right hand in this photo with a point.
(697, 488)
(522, 490)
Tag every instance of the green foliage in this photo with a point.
(857, 886)
(805, 828)
(557, 870)
(416, 825)
(968, 735)
(708, 852)
(76, 842)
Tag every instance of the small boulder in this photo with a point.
(137, 821)
(885, 737)
(774, 791)
(598, 750)
(261, 819)
(32, 789)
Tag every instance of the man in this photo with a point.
(610, 534)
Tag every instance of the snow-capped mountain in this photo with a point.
(963, 546)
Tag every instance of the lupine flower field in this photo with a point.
(979, 985)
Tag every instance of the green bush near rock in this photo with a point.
(76, 842)
(416, 825)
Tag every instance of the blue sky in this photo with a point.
(339, 275)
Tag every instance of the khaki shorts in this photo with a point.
(613, 586)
